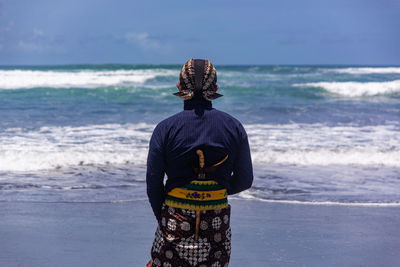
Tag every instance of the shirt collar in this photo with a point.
(193, 103)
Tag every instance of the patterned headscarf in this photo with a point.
(187, 81)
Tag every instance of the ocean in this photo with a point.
(327, 135)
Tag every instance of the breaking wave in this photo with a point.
(355, 89)
(24, 79)
(53, 147)
(366, 70)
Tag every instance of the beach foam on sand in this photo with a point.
(264, 234)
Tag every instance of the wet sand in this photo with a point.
(264, 234)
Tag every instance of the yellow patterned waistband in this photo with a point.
(198, 195)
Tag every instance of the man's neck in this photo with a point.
(193, 103)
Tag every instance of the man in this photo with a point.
(206, 156)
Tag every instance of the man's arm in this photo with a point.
(242, 177)
(155, 172)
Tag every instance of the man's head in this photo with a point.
(198, 79)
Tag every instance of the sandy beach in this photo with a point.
(264, 234)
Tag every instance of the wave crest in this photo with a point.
(355, 89)
(24, 79)
(300, 144)
(367, 70)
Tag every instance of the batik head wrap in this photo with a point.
(208, 86)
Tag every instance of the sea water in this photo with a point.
(318, 134)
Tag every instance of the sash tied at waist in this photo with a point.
(198, 195)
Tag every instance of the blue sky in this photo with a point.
(226, 32)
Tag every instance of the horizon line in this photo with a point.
(217, 65)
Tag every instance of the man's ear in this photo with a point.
(178, 85)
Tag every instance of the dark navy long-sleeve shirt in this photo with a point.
(173, 146)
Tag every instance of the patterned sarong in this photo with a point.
(175, 243)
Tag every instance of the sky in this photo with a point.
(260, 32)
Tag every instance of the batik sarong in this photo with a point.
(175, 244)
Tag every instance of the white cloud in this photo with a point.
(37, 33)
(37, 41)
(34, 42)
(30, 46)
(8, 27)
(146, 41)
(39, 46)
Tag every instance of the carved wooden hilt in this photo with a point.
(201, 163)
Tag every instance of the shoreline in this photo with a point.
(322, 203)
(264, 234)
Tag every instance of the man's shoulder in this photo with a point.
(224, 114)
(232, 123)
(227, 117)
(169, 121)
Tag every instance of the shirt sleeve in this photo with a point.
(155, 172)
(242, 177)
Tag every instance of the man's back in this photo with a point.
(198, 126)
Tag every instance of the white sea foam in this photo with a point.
(299, 144)
(366, 70)
(247, 196)
(317, 144)
(16, 79)
(52, 147)
(354, 89)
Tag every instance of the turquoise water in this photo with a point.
(317, 133)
